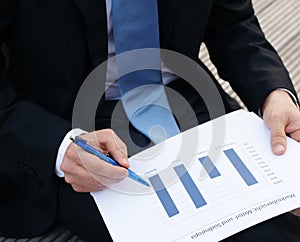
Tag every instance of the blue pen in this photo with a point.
(85, 146)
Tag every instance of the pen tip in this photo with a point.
(142, 181)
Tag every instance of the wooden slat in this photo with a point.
(261, 6)
(281, 25)
(291, 57)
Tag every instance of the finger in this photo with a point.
(72, 153)
(113, 145)
(81, 177)
(119, 151)
(76, 174)
(294, 123)
(92, 180)
(79, 188)
(99, 168)
(82, 165)
(278, 136)
(295, 135)
(83, 189)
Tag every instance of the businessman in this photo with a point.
(55, 44)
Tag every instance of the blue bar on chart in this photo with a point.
(240, 167)
(210, 167)
(163, 196)
(190, 186)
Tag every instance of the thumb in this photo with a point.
(118, 150)
(278, 137)
(121, 157)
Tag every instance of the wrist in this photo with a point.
(292, 96)
(280, 97)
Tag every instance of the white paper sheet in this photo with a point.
(245, 185)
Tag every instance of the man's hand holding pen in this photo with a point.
(86, 172)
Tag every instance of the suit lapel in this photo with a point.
(94, 13)
(167, 10)
(83, 5)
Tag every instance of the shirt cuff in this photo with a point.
(63, 148)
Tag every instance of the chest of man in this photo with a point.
(55, 43)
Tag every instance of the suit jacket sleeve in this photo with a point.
(241, 53)
(29, 135)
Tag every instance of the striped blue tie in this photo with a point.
(135, 26)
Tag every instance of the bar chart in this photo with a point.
(203, 193)
(205, 190)
(163, 196)
(190, 186)
(209, 166)
(240, 167)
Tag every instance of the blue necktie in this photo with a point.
(135, 26)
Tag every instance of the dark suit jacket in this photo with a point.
(54, 44)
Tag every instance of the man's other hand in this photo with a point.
(282, 117)
(88, 173)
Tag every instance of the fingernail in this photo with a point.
(125, 161)
(278, 148)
